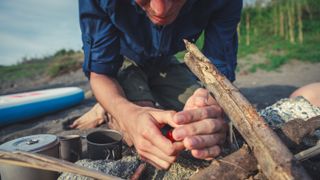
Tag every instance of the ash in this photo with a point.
(183, 168)
(123, 168)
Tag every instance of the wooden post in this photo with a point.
(291, 19)
(281, 21)
(300, 22)
(274, 158)
(248, 29)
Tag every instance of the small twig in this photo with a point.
(139, 171)
(233, 138)
(309, 153)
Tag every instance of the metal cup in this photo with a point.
(70, 147)
(104, 144)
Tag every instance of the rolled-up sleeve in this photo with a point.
(100, 39)
(221, 40)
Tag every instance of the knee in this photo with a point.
(311, 92)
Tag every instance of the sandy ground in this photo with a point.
(265, 88)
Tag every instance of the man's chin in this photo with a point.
(160, 21)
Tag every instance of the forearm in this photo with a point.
(111, 96)
(141, 124)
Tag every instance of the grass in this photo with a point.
(65, 63)
(51, 66)
(277, 50)
(23, 70)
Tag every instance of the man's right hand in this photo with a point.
(141, 124)
(143, 127)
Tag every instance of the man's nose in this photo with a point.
(160, 7)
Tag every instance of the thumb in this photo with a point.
(198, 99)
(74, 125)
(164, 117)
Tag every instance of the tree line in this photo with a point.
(281, 18)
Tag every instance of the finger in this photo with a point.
(88, 124)
(85, 125)
(189, 104)
(206, 153)
(154, 135)
(74, 124)
(178, 146)
(155, 161)
(212, 100)
(204, 141)
(150, 162)
(198, 99)
(201, 97)
(147, 147)
(203, 127)
(188, 116)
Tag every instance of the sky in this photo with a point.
(36, 28)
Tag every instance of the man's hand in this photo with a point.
(93, 118)
(143, 127)
(201, 125)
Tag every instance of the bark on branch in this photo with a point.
(273, 156)
(238, 165)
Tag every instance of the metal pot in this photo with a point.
(43, 143)
(70, 147)
(104, 144)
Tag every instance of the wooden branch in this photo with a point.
(305, 128)
(238, 165)
(309, 153)
(39, 161)
(274, 158)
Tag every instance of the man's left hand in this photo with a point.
(202, 127)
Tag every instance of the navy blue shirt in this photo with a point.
(112, 29)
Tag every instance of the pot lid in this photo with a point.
(34, 143)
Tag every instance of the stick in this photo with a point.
(309, 153)
(274, 158)
(139, 171)
(39, 161)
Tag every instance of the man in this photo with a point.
(129, 48)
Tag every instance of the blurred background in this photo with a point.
(36, 28)
(42, 38)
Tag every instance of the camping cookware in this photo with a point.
(104, 144)
(70, 147)
(43, 143)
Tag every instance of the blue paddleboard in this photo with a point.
(23, 106)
